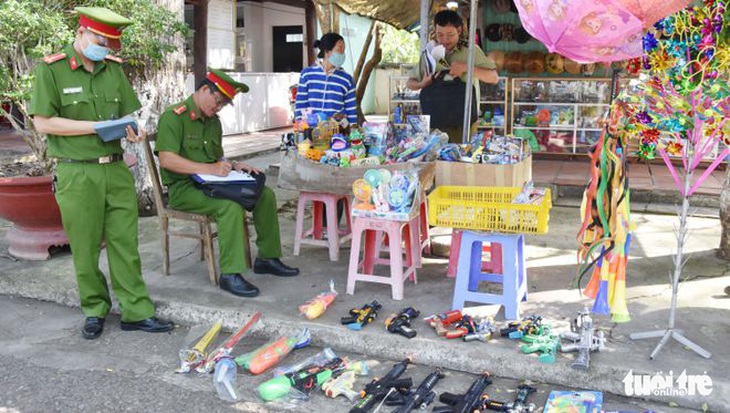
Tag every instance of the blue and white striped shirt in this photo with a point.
(328, 93)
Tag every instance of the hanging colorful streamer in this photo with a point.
(605, 235)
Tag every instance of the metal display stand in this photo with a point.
(671, 331)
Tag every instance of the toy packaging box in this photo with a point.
(582, 401)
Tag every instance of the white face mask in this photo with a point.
(337, 59)
(94, 52)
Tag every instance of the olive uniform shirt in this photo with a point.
(185, 131)
(64, 89)
(460, 54)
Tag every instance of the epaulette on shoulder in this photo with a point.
(114, 58)
(52, 58)
(179, 110)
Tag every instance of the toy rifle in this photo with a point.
(467, 402)
(268, 355)
(378, 389)
(193, 357)
(225, 349)
(519, 405)
(304, 380)
(401, 323)
(420, 398)
(528, 325)
(361, 317)
(584, 340)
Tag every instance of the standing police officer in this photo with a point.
(74, 91)
(189, 141)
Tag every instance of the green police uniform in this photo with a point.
(184, 131)
(97, 200)
(460, 54)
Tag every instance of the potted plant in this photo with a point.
(31, 30)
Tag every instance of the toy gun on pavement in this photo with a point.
(585, 340)
(343, 384)
(225, 349)
(483, 331)
(528, 325)
(519, 405)
(467, 402)
(361, 317)
(420, 398)
(304, 380)
(378, 389)
(401, 323)
(545, 343)
(452, 324)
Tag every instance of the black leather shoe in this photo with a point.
(93, 327)
(236, 285)
(273, 266)
(149, 325)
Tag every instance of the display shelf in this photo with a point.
(560, 115)
(400, 95)
(493, 102)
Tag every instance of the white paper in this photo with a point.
(233, 176)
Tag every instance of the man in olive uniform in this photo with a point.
(189, 141)
(74, 91)
(449, 27)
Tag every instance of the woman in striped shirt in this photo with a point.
(325, 86)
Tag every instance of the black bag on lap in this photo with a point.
(245, 193)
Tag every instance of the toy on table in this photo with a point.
(317, 306)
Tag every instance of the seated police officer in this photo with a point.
(189, 142)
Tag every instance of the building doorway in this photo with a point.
(288, 43)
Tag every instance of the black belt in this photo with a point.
(103, 160)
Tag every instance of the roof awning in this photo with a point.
(403, 14)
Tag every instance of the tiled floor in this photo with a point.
(575, 172)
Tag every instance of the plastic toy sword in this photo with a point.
(193, 357)
(225, 349)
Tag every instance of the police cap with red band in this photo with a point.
(225, 84)
(103, 22)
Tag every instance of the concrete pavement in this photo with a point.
(188, 298)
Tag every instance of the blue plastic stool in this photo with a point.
(469, 272)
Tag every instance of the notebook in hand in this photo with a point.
(233, 177)
(112, 130)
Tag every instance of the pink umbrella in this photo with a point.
(651, 11)
(585, 30)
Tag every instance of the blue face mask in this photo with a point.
(337, 59)
(95, 53)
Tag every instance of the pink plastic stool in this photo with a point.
(326, 203)
(397, 232)
(494, 265)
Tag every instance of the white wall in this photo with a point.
(259, 20)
